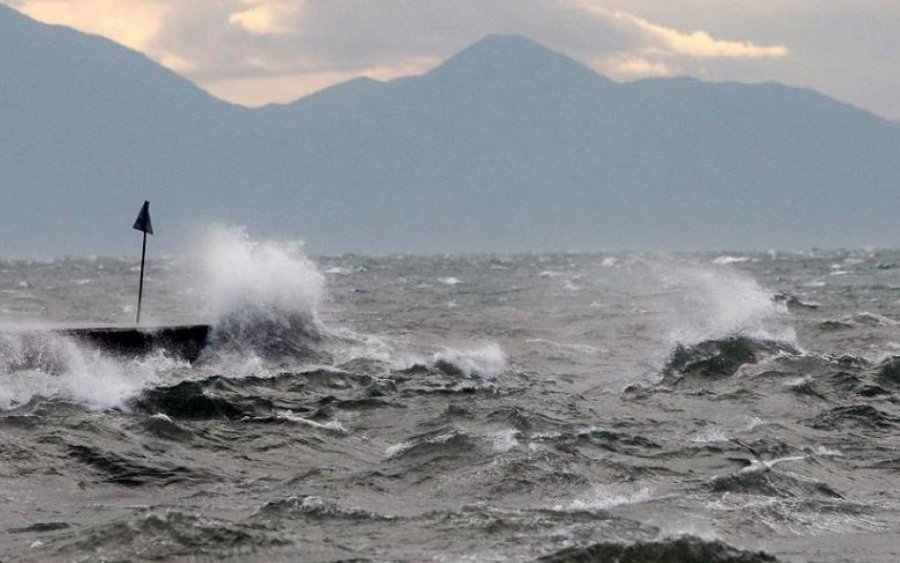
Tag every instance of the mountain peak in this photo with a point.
(511, 56)
(500, 42)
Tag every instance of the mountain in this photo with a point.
(506, 146)
(88, 128)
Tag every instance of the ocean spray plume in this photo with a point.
(262, 296)
(717, 320)
(713, 304)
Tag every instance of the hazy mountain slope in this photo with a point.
(88, 128)
(511, 144)
(506, 146)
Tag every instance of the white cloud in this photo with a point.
(177, 64)
(266, 17)
(691, 44)
(700, 43)
(629, 66)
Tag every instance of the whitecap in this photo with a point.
(331, 426)
(486, 361)
(503, 441)
(605, 497)
(338, 271)
(724, 260)
(710, 436)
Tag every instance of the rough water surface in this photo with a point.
(738, 408)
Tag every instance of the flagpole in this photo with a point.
(141, 286)
(144, 225)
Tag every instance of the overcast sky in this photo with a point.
(259, 51)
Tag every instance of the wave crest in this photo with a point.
(262, 296)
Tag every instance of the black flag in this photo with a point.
(143, 221)
(144, 225)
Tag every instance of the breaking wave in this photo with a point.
(43, 364)
(261, 296)
(484, 362)
(713, 304)
(262, 299)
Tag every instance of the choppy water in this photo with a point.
(570, 407)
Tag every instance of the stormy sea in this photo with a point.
(739, 407)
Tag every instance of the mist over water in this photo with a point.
(515, 406)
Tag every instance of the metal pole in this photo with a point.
(141, 286)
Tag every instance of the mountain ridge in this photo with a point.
(78, 45)
(507, 146)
